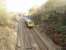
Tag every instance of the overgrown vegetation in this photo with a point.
(7, 33)
(7, 30)
(53, 14)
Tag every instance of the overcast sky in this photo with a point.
(22, 5)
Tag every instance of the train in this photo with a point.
(29, 23)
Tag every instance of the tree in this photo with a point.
(54, 12)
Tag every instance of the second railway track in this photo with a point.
(39, 41)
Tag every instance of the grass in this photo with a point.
(7, 33)
(7, 38)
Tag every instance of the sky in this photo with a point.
(22, 5)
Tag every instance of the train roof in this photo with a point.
(26, 19)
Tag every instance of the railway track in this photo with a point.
(39, 41)
(50, 45)
(25, 38)
(29, 39)
(34, 40)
